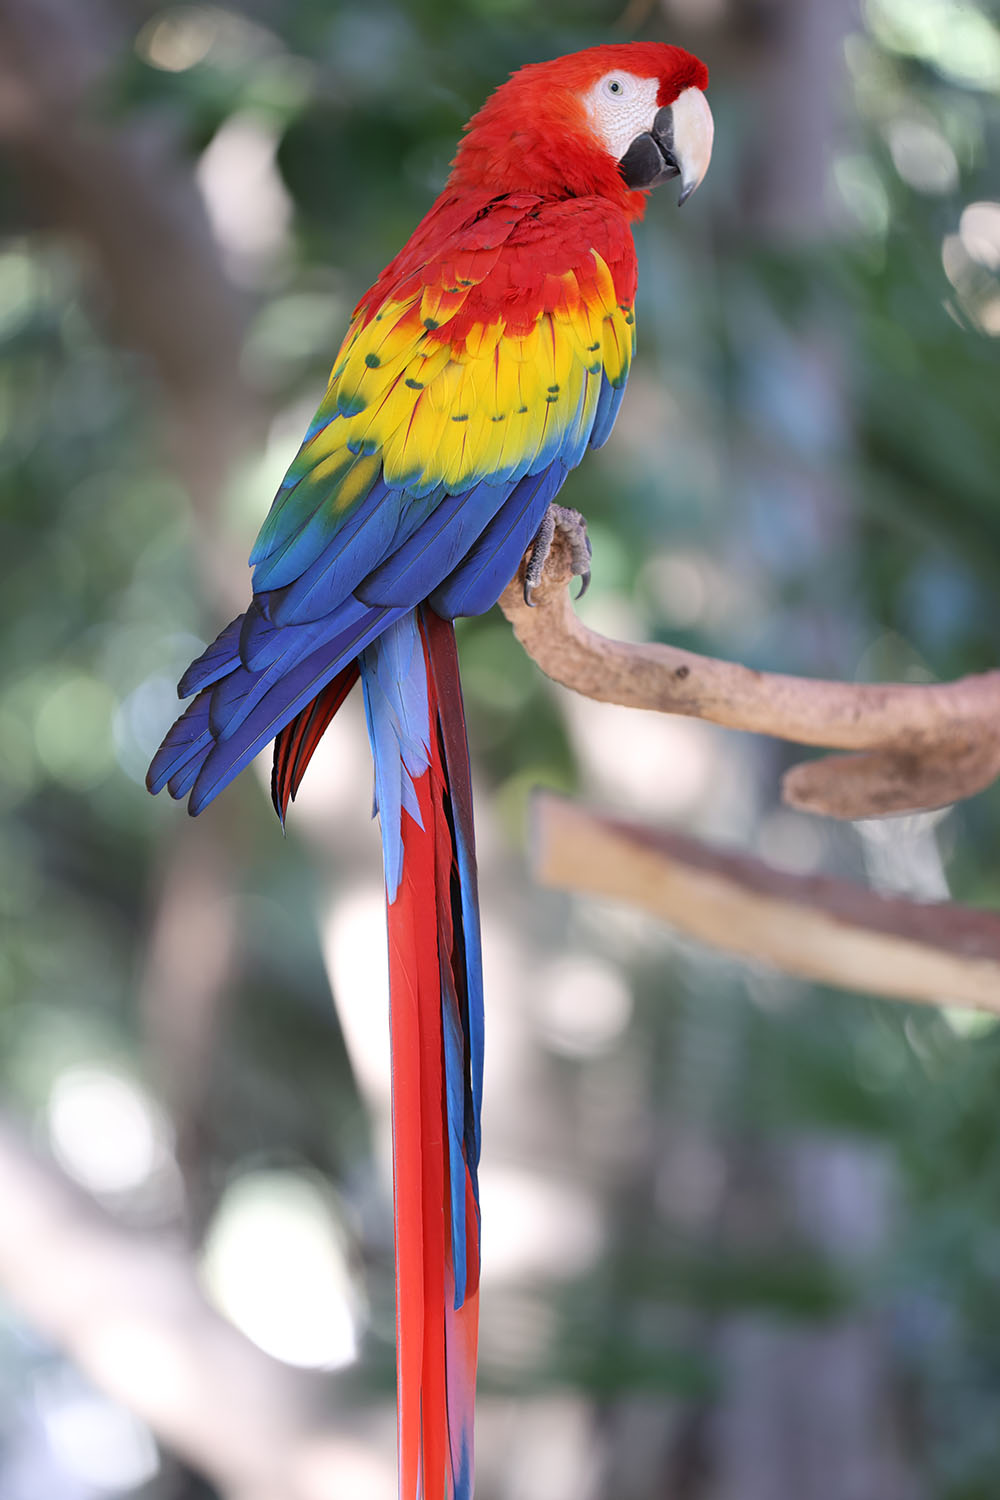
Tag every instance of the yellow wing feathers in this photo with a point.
(445, 401)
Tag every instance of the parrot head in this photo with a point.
(612, 121)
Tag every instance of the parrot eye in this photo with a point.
(620, 106)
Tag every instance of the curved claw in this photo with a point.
(572, 523)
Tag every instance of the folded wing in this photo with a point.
(470, 382)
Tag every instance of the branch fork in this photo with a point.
(915, 746)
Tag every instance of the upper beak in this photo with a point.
(679, 145)
(684, 132)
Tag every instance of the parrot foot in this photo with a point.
(574, 527)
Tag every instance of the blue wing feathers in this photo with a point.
(214, 662)
(294, 533)
(608, 403)
(433, 548)
(265, 643)
(342, 563)
(183, 780)
(281, 701)
(303, 558)
(489, 565)
(324, 590)
(260, 673)
(188, 741)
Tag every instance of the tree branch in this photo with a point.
(921, 745)
(830, 931)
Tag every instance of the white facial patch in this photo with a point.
(621, 106)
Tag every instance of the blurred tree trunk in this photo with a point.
(123, 193)
(129, 200)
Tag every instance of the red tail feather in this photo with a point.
(419, 1135)
(295, 744)
(436, 1344)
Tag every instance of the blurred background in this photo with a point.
(741, 1237)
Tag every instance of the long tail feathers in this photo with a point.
(414, 707)
(413, 702)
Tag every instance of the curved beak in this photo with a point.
(692, 133)
(679, 145)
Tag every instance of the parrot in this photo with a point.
(488, 356)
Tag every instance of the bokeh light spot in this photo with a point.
(179, 39)
(98, 1442)
(537, 1225)
(73, 732)
(979, 231)
(583, 1005)
(275, 1266)
(105, 1130)
(922, 156)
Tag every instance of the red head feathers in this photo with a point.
(565, 128)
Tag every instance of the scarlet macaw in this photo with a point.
(488, 356)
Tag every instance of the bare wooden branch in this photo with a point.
(830, 931)
(922, 745)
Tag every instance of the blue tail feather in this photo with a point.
(394, 684)
(416, 720)
(447, 693)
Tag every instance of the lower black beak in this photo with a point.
(643, 165)
(650, 159)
